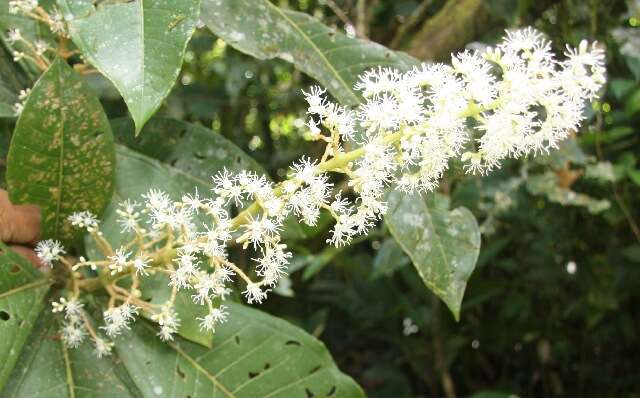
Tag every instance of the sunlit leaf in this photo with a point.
(266, 31)
(138, 45)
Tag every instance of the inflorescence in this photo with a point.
(505, 102)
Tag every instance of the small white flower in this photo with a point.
(102, 347)
(119, 260)
(84, 219)
(14, 35)
(214, 317)
(254, 293)
(22, 6)
(40, 47)
(128, 215)
(73, 334)
(408, 327)
(117, 319)
(168, 321)
(49, 251)
(140, 264)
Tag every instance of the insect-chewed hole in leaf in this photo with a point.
(173, 162)
(200, 156)
(253, 374)
(147, 363)
(293, 342)
(309, 393)
(180, 372)
(182, 133)
(237, 339)
(317, 368)
(14, 269)
(4, 315)
(267, 366)
(332, 391)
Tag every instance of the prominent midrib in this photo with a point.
(31, 285)
(61, 155)
(142, 60)
(315, 48)
(69, 372)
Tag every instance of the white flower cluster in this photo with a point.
(117, 319)
(74, 329)
(505, 102)
(22, 6)
(49, 251)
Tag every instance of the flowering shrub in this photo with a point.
(508, 101)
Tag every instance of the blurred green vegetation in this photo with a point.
(552, 309)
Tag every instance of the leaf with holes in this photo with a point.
(266, 31)
(138, 45)
(254, 356)
(49, 369)
(61, 155)
(443, 244)
(22, 292)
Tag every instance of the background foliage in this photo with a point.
(551, 308)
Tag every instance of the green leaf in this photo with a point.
(266, 31)
(194, 149)
(22, 291)
(389, 259)
(634, 175)
(49, 369)
(61, 154)
(138, 45)
(443, 244)
(255, 355)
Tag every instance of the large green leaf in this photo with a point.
(48, 369)
(266, 31)
(138, 45)
(61, 155)
(443, 244)
(254, 356)
(22, 291)
(193, 149)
